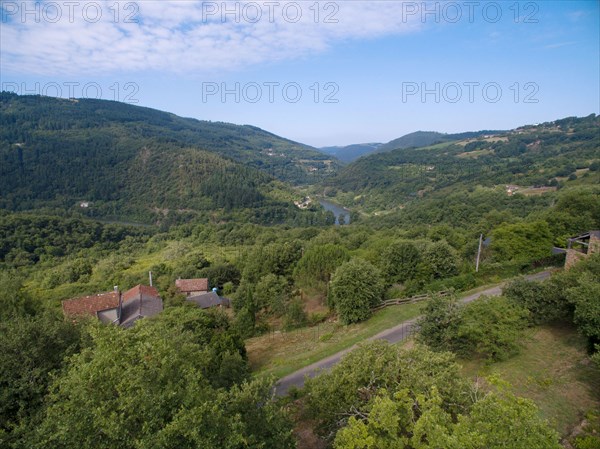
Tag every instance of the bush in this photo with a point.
(542, 301)
(491, 327)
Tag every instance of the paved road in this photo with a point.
(392, 335)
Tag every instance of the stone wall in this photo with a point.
(573, 256)
(594, 243)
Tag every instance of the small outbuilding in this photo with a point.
(209, 300)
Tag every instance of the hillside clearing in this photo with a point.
(554, 371)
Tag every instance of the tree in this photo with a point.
(319, 262)
(270, 293)
(522, 241)
(32, 351)
(586, 299)
(400, 421)
(163, 383)
(355, 288)
(399, 262)
(220, 274)
(347, 390)
(14, 302)
(502, 420)
(439, 322)
(441, 259)
(295, 316)
(498, 421)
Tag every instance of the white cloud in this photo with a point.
(183, 36)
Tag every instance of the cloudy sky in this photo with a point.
(322, 73)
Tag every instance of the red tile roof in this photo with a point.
(138, 290)
(192, 285)
(90, 305)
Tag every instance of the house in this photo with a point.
(581, 246)
(208, 300)
(91, 305)
(192, 287)
(115, 307)
(139, 302)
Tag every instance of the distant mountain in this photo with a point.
(545, 155)
(425, 138)
(110, 158)
(350, 153)
(416, 139)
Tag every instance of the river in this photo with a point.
(337, 211)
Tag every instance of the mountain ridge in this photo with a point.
(112, 159)
(543, 155)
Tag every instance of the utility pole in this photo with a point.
(478, 253)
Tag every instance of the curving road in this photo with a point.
(392, 335)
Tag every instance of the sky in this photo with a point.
(318, 72)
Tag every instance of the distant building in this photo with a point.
(192, 287)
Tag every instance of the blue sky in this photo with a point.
(355, 72)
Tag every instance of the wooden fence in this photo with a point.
(411, 300)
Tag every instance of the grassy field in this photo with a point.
(554, 371)
(279, 354)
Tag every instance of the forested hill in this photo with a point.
(137, 162)
(424, 138)
(350, 153)
(532, 159)
(32, 119)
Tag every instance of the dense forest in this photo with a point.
(127, 161)
(191, 378)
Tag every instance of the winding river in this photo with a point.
(337, 211)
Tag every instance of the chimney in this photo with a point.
(120, 308)
(150, 276)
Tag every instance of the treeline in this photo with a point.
(25, 239)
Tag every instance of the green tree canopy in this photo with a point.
(355, 288)
(441, 259)
(498, 421)
(522, 241)
(175, 381)
(319, 262)
(399, 262)
(350, 386)
(32, 350)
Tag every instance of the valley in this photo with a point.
(96, 195)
